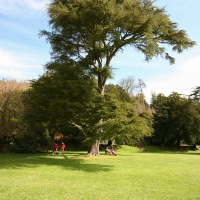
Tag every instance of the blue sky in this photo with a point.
(23, 54)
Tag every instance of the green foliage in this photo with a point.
(195, 95)
(12, 123)
(15, 134)
(176, 120)
(24, 145)
(119, 92)
(59, 99)
(99, 29)
(65, 99)
(117, 119)
(128, 122)
(124, 124)
(11, 112)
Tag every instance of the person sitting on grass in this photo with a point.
(108, 151)
(113, 151)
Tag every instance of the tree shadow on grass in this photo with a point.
(72, 161)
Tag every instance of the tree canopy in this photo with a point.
(176, 120)
(93, 31)
(59, 97)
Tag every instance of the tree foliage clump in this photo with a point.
(12, 125)
(57, 99)
(195, 95)
(93, 32)
(121, 120)
(66, 100)
(176, 120)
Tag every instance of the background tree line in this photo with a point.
(32, 114)
(67, 102)
(72, 97)
(11, 111)
(176, 119)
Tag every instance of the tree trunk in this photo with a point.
(94, 149)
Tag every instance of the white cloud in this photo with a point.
(20, 66)
(182, 79)
(16, 7)
(36, 4)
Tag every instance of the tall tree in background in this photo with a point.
(124, 122)
(129, 85)
(119, 92)
(195, 95)
(94, 31)
(135, 91)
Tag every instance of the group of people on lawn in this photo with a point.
(109, 149)
(55, 148)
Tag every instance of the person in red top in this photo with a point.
(55, 149)
(62, 148)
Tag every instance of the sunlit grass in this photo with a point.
(131, 175)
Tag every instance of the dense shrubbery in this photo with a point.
(15, 134)
(176, 120)
(30, 118)
(40, 113)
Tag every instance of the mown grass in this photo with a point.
(149, 175)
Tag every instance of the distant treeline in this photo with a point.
(67, 107)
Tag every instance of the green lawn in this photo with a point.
(130, 176)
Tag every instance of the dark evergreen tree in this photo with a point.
(176, 120)
(59, 99)
(195, 95)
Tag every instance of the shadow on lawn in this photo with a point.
(70, 161)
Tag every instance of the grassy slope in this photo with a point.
(131, 175)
